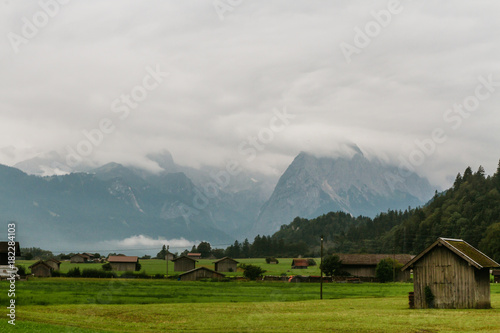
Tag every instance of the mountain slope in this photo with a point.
(312, 186)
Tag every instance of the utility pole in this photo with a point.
(321, 269)
(166, 259)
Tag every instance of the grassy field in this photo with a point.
(156, 266)
(121, 305)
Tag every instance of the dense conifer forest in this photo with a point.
(469, 210)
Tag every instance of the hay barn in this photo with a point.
(54, 263)
(226, 264)
(183, 264)
(41, 269)
(456, 273)
(123, 263)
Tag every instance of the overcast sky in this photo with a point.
(339, 75)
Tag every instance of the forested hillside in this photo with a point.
(469, 210)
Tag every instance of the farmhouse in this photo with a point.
(41, 269)
(79, 258)
(200, 273)
(183, 264)
(300, 263)
(54, 263)
(225, 264)
(4, 252)
(364, 265)
(123, 263)
(451, 274)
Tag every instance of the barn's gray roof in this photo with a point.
(184, 257)
(202, 268)
(225, 258)
(461, 248)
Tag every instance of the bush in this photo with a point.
(252, 272)
(158, 276)
(57, 274)
(21, 270)
(97, 273)
(269, 259)
(384, 271)
(107, 267)
(311, 262)
(74, 272)
(331, 265)
(139, 275)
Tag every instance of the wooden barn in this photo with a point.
(226, 264)
(200, 273)
(453, 274)
(4, 252)
(364, 265)
(54, 263)
(41, 269)
(169, 256)
(183, 264)
(300, 263)
(79, 258)
(123, 263)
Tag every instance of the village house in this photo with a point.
(54, 263)
(79, 258)
(183, 264)
(364, 265)
(451, 274)
(300, 263)
(226, 264)
(41, 269)
(123, 263)
(200, 273)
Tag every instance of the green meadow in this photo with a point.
(132, 305)
(157, 266)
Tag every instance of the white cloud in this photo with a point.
(227, 76)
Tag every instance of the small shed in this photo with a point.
(79, 258)
(41, 269)
(300, 263)
(226, 264)
(123, 263)
(54, 263)
(365, 265)
(452, 274)
(183, 264)
(496, 275)
(169, 256)
(4, 252)
(200, 273)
